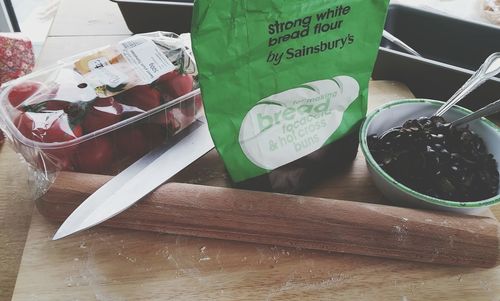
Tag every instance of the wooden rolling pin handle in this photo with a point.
(294, 221)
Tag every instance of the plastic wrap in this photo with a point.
(99, 111)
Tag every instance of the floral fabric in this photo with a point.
(16, 56)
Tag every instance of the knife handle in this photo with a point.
(293, 221)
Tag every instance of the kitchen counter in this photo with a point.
(463, 9)
(78, 26)
(81, 25)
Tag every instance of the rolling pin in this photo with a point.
(293, 221)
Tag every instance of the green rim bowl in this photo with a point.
(395, 114)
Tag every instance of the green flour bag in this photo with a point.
(285, 84)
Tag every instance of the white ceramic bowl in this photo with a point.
(395, 114)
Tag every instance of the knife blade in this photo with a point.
(139, 179)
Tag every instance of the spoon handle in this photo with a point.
(490, 109)
(400, 43)
(488, 69)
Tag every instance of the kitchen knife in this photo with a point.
(139, 179)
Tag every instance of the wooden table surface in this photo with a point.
(79, 25)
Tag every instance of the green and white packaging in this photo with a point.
(280, 79)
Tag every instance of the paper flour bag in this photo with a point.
(285, 83)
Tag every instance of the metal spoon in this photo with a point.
(400, 43)
(488, 69)
(488, 110)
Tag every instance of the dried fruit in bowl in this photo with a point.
(435, 159)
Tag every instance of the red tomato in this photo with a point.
(131, 143)
(101, 113)
(175, 83)
(47, 127)
(50, 127)
(174, 121)
(129, 111)
(145, 137)
(142, 97)
(56, 105)
(95, 155)
(155, 134)
(167, 119)
(22, 91)
(198, 102)
(191, 106)
(48, 105)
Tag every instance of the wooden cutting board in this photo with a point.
(113, 264)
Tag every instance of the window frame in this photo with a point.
(8, 20)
